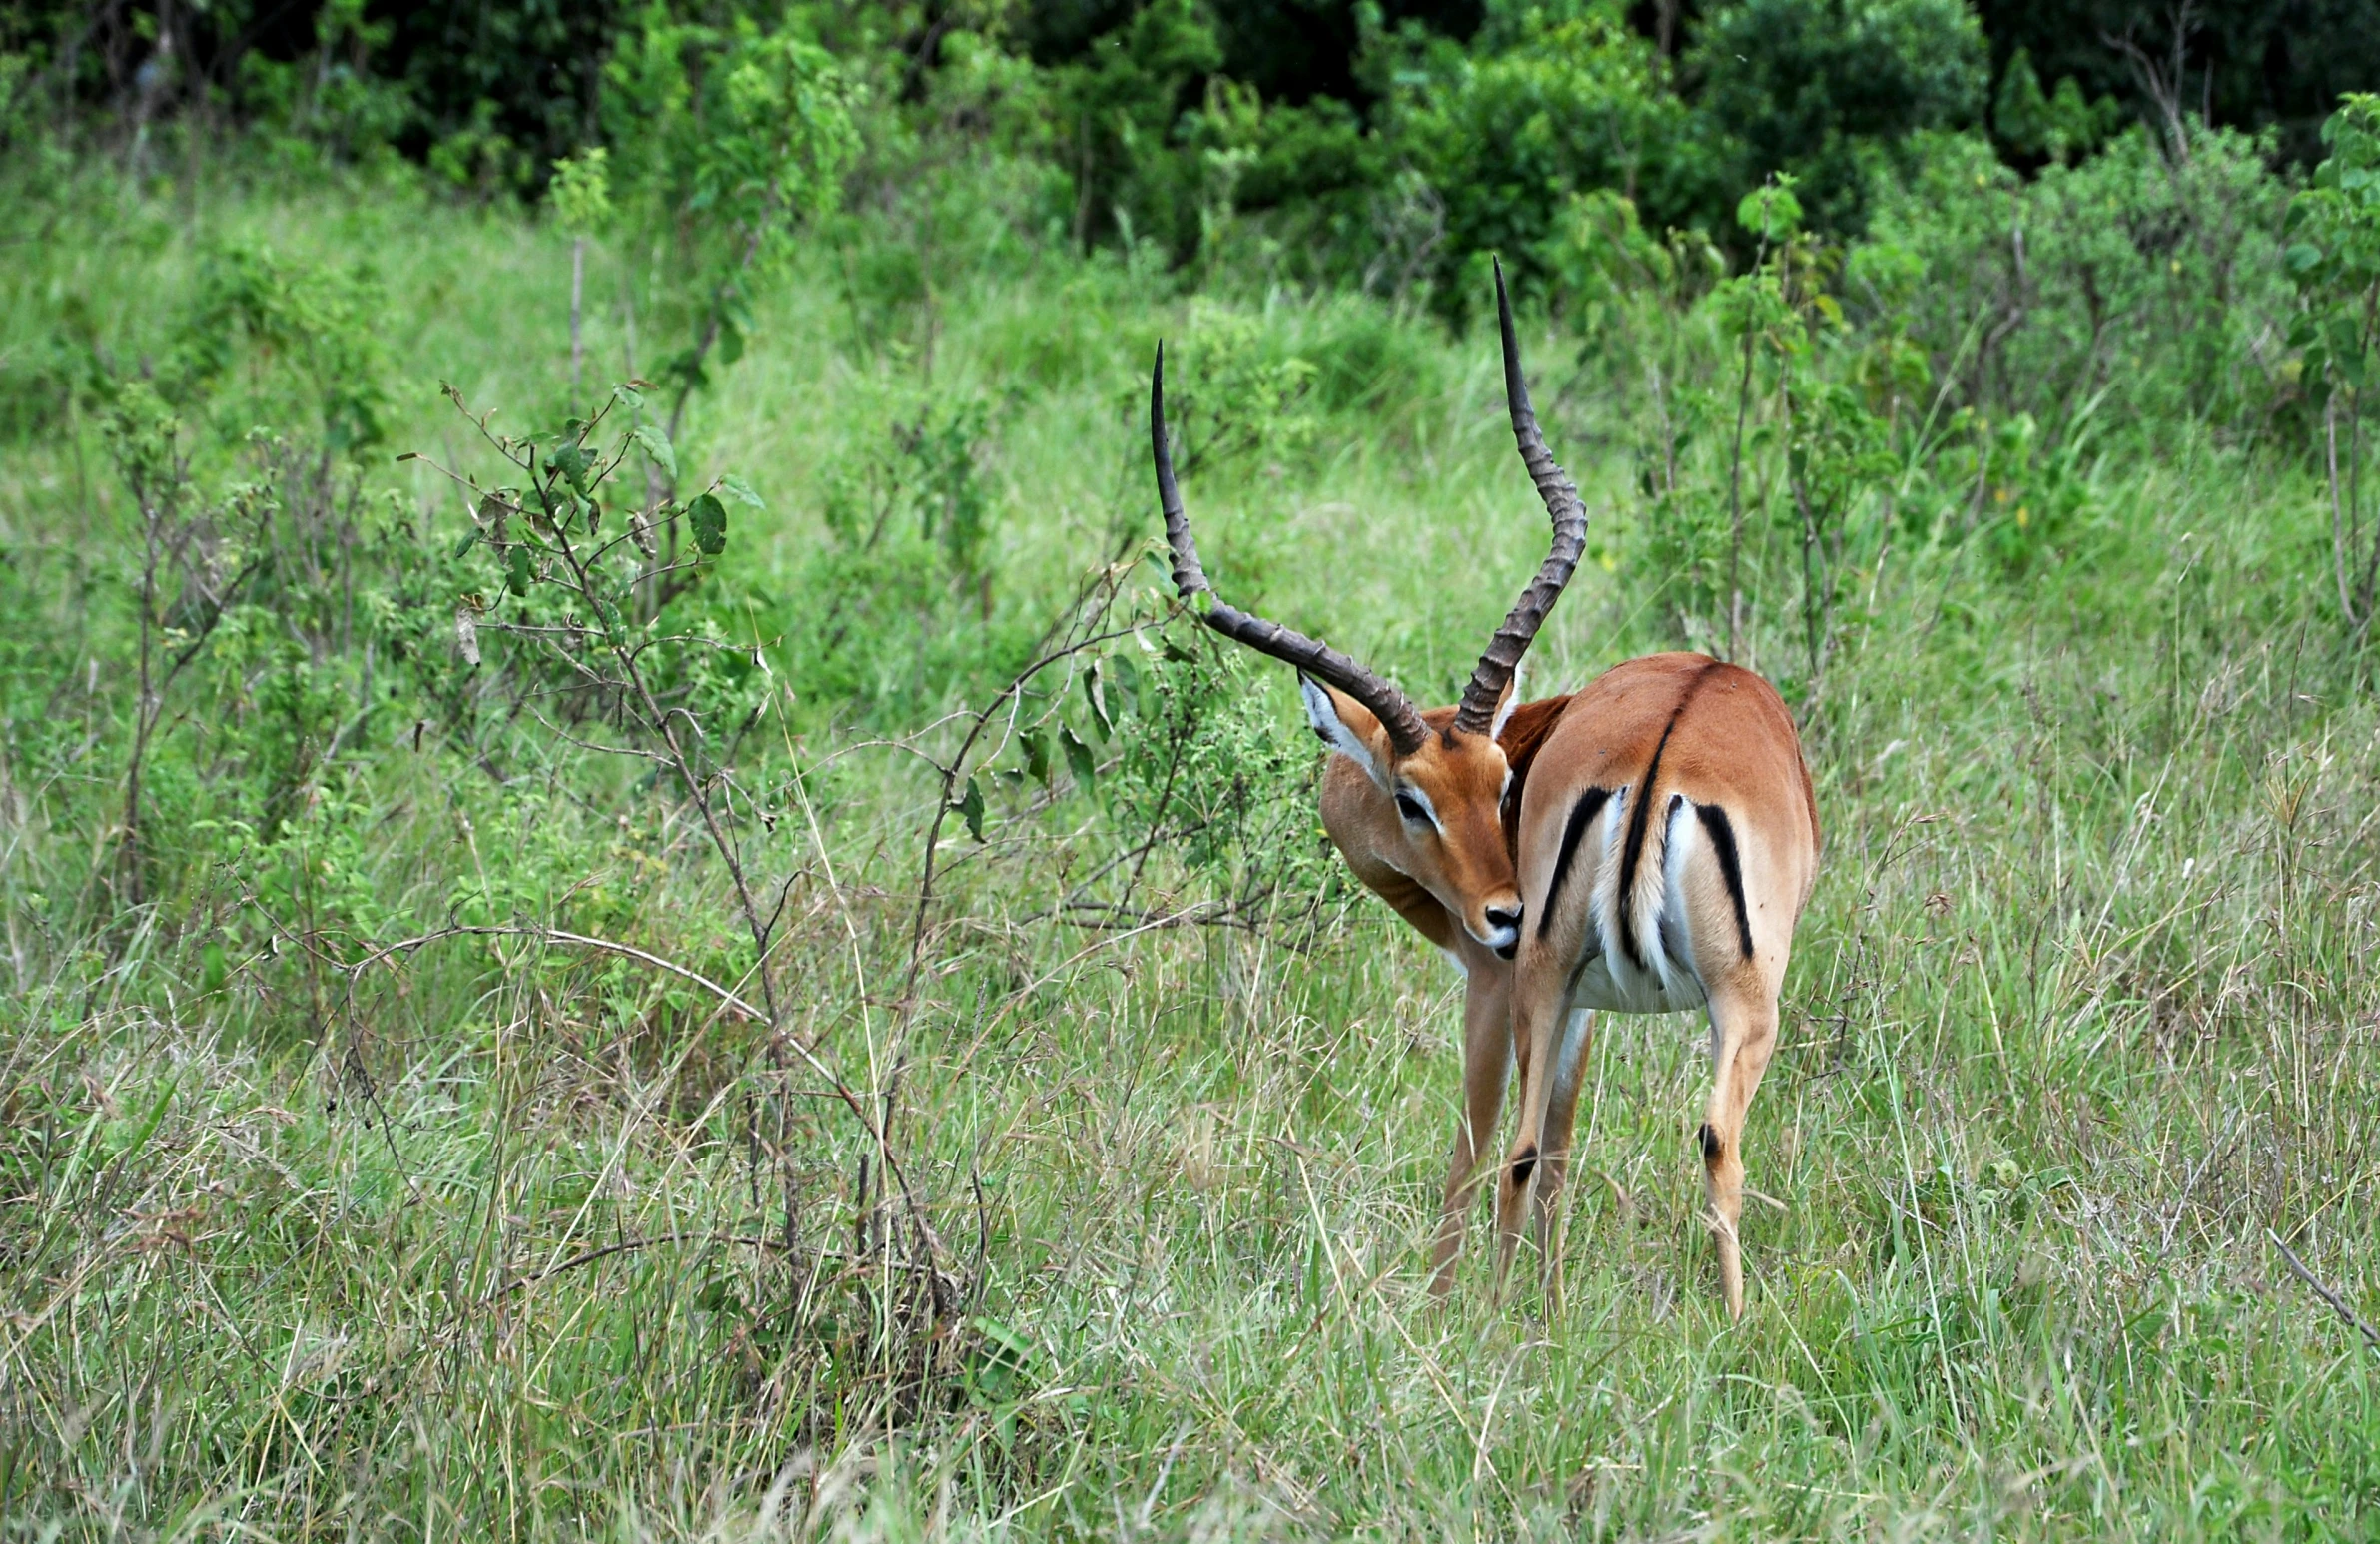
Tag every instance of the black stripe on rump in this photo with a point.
(1723, 842)
(1640, 819)
(1582, 815)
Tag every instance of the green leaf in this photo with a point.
(1079, 757)
(1094, 692)
(971, 809)
(1134, 683)
(468, 541)
(709, 519)
(147, 1127)
(519, 571)
(1000, 1345)
(738, 489)
(1037, 755)
(657, 445)
(572, 462)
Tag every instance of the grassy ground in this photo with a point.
(485, 1244)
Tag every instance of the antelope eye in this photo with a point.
(1410, 808)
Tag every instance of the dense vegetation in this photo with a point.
(629, 910)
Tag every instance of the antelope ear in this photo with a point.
(1348, 726)
(1506, 703)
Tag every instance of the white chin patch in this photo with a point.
(1323, 713)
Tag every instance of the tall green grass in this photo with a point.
(483, 1242)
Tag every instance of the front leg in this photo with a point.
(1488, 1060)
(1561, 1120)
(1539, 1002)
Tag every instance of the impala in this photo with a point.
(1667, 841)
(1416, 801)
(1527, 835)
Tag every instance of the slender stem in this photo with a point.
(1735, 506)
(145, 710)
(577, 289)
(2369, 560)
(2355, 489)
(1813, 621)
(681, 760)
(2338, 516)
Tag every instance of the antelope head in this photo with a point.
(1434, 783)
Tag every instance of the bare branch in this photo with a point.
(2338, 1304)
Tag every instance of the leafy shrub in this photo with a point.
(1539, 109)
(1205, 770)
(1240, 397)
(897, 607)
(2062, 126)
(500, 90)
(1115, 111)
(283, 318)
(2334, 259)
(336, 103)
(2152, 285)
(731, 136)
(1823, 88)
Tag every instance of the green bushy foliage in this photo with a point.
(897, 608)
(255, 314)
(2136, 283)
(1114, 113)
(730, 136)
(2334, 260)
(1825, 89)
(1202, 771)
(1540, 108)
(339, 105)
(2061, 125)
(500, 90)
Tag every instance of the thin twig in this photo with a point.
(2337, 1304)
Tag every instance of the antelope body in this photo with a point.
(1668, 839)
(1644, 845)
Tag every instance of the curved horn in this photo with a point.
(1405, 729)
(1504, 650)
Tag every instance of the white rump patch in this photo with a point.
(1666, 981)
(1672, 942)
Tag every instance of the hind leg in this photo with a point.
(1743, 1036)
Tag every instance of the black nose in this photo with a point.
(1500, 916)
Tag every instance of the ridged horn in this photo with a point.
(1397, 716)
(1494, 672)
